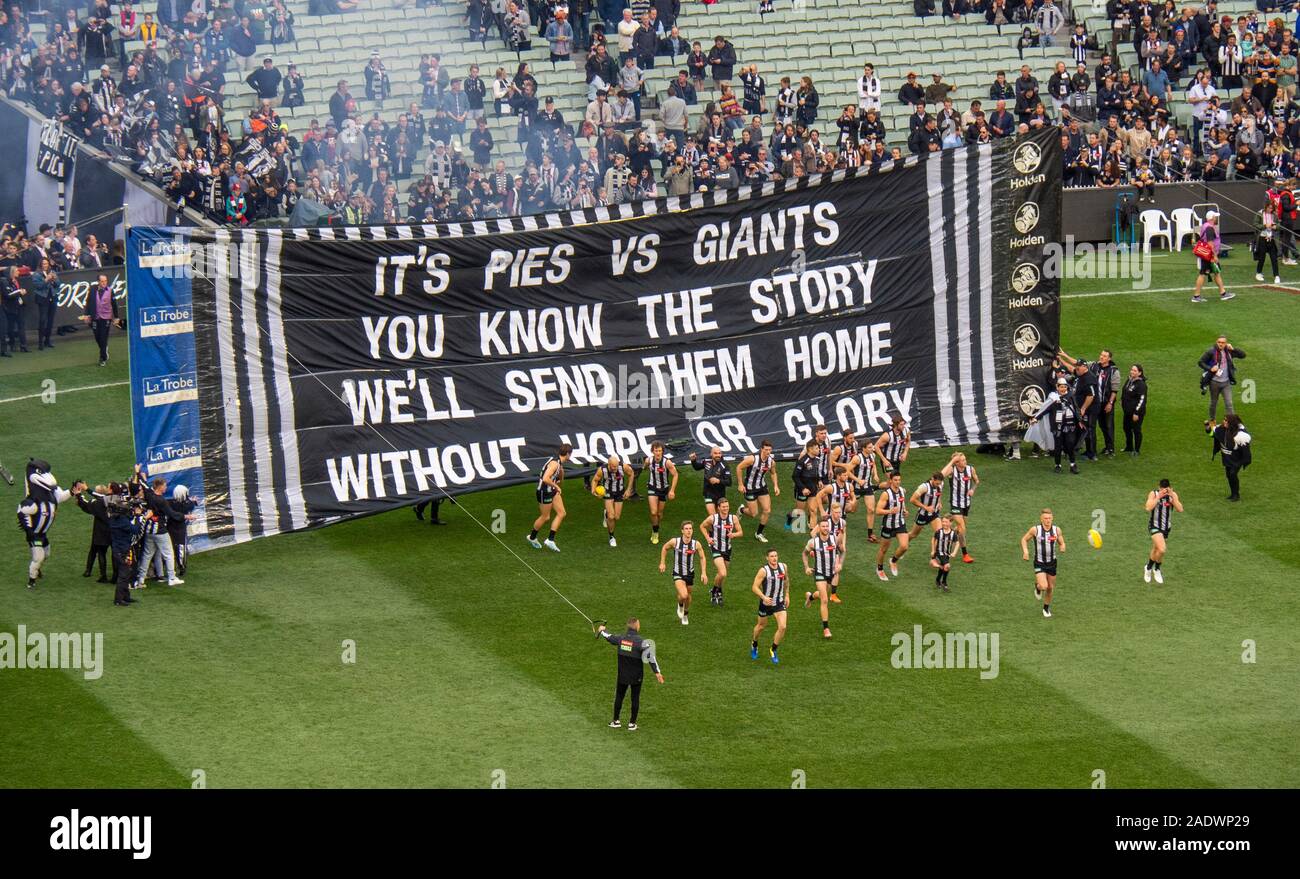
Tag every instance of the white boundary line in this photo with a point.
(1186, 289)
(58, 391)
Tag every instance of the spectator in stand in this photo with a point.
(697, 63)
(722, 60)
(377, 82)
(559, 33)
(1049, 20)
(243, 44)
(673, 115)
(807, 99)
(868, 90)
(674, 45)
(293, 88)
(683, 88)
(631, 80)
(627, 29)
(341, 103)
(910, 93)
(265, 81)
(602, 72)
(645, 44)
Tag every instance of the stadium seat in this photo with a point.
(1155, 224)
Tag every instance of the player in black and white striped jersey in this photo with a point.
(891, 507)
(772, 586)
(550, 501)
(838, 491)
(807, 482)
(661, 485)
(687, 552)
(1162, 503)
(892, 445)
(821, 561)
(962, 482)
(753, 473)
(866, 478)
(838, 522)
(721, 529)
(943, 546)
(1048, 543)
(822, 437)
(928, 500)
(611, 481)
(843, 452)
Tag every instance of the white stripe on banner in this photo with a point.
(961, 247)
(939, 278)
(230, 395)
(288, 438)
(992, 414)
(250, 276)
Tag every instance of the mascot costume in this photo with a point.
(36, 514)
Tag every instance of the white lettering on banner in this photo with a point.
(697, 373)
(812, 292)
(405, 336)
(396, 473)
(643, 246)
(597, 446)
(845, 350)
(560, 387)
(872, 412)
(529, 267)
(684, 313)
(433, 264)
(531, 331)
(380, 400)
(728, 434)
(771, 232)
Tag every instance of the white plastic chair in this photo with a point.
(1155, 225)
(1186, 223)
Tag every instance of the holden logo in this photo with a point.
(1024, 277)
(1027, 158)
(1026, 339)
(1031, 400)
(1026, 218)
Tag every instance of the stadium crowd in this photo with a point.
(720, 124)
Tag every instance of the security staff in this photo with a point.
(633, 651)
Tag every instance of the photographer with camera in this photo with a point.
(1218, 375)
(1232, 443)
(126, 530)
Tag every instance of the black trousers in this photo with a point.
(1106, 420)
(46, 309)
(101, 337)
(125, 574)
(423, 505)
(1230, 470)
(1133, 430)
(1066, 440)
(99, 553)
(1090, 431)
(636, 698)
(1265, 247)
(17, 330)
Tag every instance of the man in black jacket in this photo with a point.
(633, 652)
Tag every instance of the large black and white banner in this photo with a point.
(346, 371)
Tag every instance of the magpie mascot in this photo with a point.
(37, 511)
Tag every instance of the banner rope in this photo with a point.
(266, 330)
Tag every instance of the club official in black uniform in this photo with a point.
(717, 478)
(633, 654)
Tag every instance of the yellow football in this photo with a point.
(600, 491)
(1094, 538)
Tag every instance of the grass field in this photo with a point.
(467, 663)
